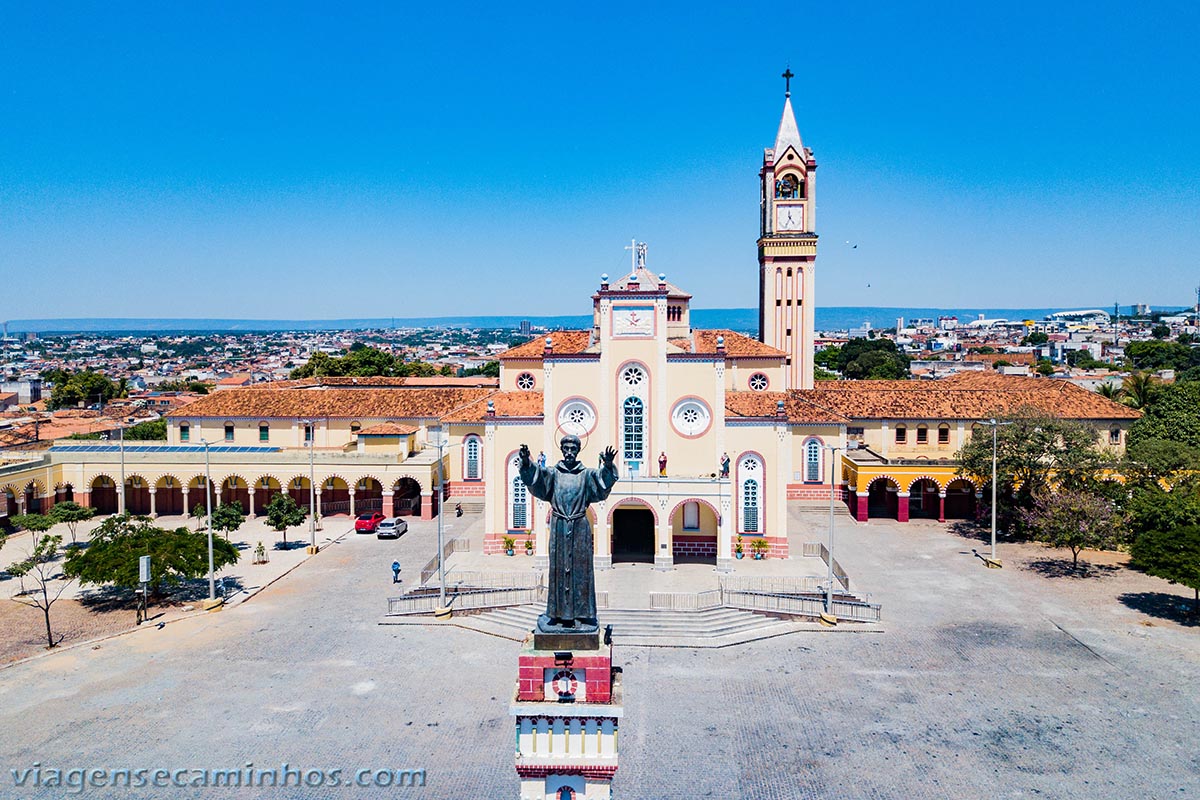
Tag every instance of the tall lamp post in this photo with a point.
(212, 579)
(995, 426)
(832, 483)
(442, 446)
(310, 442)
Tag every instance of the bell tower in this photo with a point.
(787, 247)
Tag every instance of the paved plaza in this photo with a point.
(1008, 683)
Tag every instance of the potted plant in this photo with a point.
(738, 551)
(260, 554)
(529, 547)
(759, 546)
(509, 543)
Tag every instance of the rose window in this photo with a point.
(759, 382)
(525, 381)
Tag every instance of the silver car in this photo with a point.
(392, 528)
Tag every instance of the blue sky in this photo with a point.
(309, 161)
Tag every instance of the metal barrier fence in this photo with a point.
(786, 585)
(493, 580)
(819, 550)
(465, 599)
(793, 605)
(684, 601)
(459, 545)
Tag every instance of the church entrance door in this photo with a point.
(633, 535)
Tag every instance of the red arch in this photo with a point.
(629, 502)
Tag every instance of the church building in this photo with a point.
(716, 431)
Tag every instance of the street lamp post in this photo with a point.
(212, 580)
(309, 442)
(995, 426)
(441, 494)
(832, 483)
(121, 434)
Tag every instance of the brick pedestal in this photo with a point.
(566, 706)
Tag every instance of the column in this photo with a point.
(427, 505)
(664, 556)
(83, 498)
(861, 506)
(603, 537)
(153, 507)
(725, 536)
(250, 501)
(187, 510)
(216, 499)
(350, 492)
(389, 508)
(942, 506)
(902, 506)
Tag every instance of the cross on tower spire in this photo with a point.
(787, 77)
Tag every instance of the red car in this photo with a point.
(367, 523)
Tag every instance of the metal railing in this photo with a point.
(466, 599)
(795, 605)
(494, 580)
(685, 601)
(458, 545)
(819, 550)
(784, 585)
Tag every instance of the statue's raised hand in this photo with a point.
(609, 455)
(524, 454)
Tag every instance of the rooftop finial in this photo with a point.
(787, 77)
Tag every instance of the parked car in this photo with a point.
(391, 528)
(367, 523)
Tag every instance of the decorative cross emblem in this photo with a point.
(787, 77)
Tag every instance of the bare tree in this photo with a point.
(40, 566)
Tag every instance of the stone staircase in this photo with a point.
(714, 627)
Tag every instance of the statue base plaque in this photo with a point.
(569, 642)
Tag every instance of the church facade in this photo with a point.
(716, 432)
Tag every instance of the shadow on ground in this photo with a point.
(1164, 606)
(118, 598)
(1063, 568)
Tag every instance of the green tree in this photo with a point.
(1033, 452)
(34, 523)
(146, 431)
(283, 513)
(491, 370)
(1075, 519)
(228, 517)
(41, 568)
(175, 555)
(1034, 339)
(1173, 555)
(1138, 389)
(1109, 390)
(1155, 355)
(1044, 367)
(1174, 414)
(81, 387)
(71, 514)
(199, 512)
(1160, 331)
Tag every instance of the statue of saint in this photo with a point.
(570, 488)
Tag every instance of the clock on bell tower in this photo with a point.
(787, 247)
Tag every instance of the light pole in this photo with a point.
(441, 492)
(121, 434)
(995, 426)
(832, 483)
(212, 580)
(309, 442)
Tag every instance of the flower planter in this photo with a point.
(509, 552)
(739, 555)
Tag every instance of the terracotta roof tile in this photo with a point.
(507, 404)
(389, 429)
(565, 343)
(474, 381)
(340, 403)
(966, 395)
(766, 404)
(737, 345)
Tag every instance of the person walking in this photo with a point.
(395, 572)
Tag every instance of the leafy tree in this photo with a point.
(361, 361)
(283, 513)
(1034, 339)
(1160, 331)
(1075, 519)
(1173, 555)
(1033, 452)
(1156, 355)
(199, 512)
(81, 387)
(146, 431)
(1000, 362)
(491, 370)
(1044, 367)
(40, 567)
(1138, 389)
(822, 374)
(1174, 413)
(1109, 390)
(71, 514)
(228, 517)
(34, 523)
(175, 555)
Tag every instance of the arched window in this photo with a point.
(789, 187)
(518, 498)
(264, 432)
(901, 434)
(308, 433)
(750, 475)
(1114, 435)
(691, 516)
(922, 434)
(355, 427)
(943, 434)
(812, 460)
(185, 432)
(634, 428)
(229, 431)
(471, 450)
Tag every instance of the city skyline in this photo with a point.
(241, 164)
